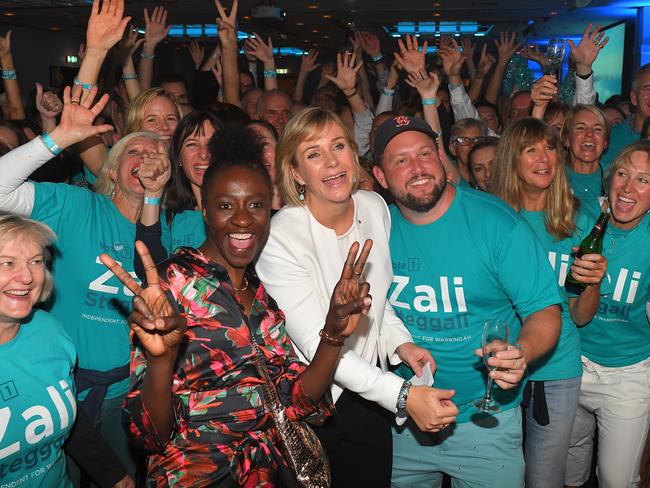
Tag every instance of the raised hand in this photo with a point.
(533, 53)
(106, 25)
(128, 45)
(227, 24)
(409, 56)
(544, 90)
(346, 74)
(452, 60)
(485, 63)
(257, 47)
(506, 46)
(217, 69)
(328, 70)
(197, 52)
(82, 52)
(308, 62)
(586, 52)
(370, 44)
(468, 49)
(77, 117)
(47, 103)
(350, 297)
(158, 326)
(155, 170)
(155, 26)
(5, 45)
(426, 84)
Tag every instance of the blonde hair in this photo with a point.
(560, 203)
(567, 128)
(309, 124)
(135, 112)
(625, 157)
(104, 184)
(17, 227)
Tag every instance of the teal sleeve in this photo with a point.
(59, 205)
(525, 272)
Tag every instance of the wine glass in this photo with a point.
(554, 55)
(494, 339)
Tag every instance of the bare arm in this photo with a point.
(228, 37)
(15, 108)
(127, 46)
(155, 32)
(484, 66)
(264, 52)
(307, 65)
(49, 107)
(506, 47)
(542, 93)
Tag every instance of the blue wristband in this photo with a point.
(52, 146)
(429, 101)
(85, 86)
(376, 59)
(8, 74)
(269, 73)
(388, 92)
(151, 201)
(147, 56)
(129, 76)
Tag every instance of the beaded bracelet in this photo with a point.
(151, 201)
(85, 86)
(52, 146)
(330, 340)
(8, 74)
(377, 58)
(129, 76)
(270, 73)
(144, 55)
(428, 101)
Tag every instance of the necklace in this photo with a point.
(242, 289)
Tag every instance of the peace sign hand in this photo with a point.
(158, 326)
(351, 295)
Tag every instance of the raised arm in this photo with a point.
(15, 108)
(363, 83)
(228, 37)
(49, 107)
(156, 30)
(584, 55)
(372, 47)
(197, 52)
(307, 65)
(125, 49)
(16, 193)
(542, 93)
(255, 46)
(105, 29)
(484, 66)
(506, 47)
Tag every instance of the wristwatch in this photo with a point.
(402, 397)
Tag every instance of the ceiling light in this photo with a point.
(246, 17)
(312, 6)
(9, 14)
(437, 14)
(437, 4)
(54, 28)
(300, 24)
(327, 16)
(315, 31)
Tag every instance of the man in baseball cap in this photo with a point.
(461, 257)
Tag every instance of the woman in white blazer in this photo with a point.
(299, 266)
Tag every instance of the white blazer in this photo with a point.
(300, 266)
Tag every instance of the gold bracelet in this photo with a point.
(329, 340)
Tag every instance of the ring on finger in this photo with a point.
(517, 363)
(76, 102)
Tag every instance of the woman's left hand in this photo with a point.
(351, 296)
(589, 269)
(416, 357)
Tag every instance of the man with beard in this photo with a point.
(461, 257)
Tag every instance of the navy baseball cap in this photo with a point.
(394, 126)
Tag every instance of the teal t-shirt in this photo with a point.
(621, 136)
(37, 404)
(472, 264)
(187, 229)
(564, 361)
(89, 300)
(587, 188)
(619, 334)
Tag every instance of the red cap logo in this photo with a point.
(401, 121)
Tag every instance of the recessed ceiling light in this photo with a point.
(312, 6)
(437, 14)
(246, 17)
(10, 14)
(300, 24)
(553, 13)
(54, 28)
(326, 37)
(315, 31)
(327, 16)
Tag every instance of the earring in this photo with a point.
(301, 193)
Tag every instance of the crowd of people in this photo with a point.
(191, 274)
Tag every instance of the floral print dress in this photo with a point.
(223, 435)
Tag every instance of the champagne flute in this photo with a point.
(554, 55)
(494, 339)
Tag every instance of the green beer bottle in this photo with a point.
(592, 244)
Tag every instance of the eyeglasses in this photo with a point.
(467, 141)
